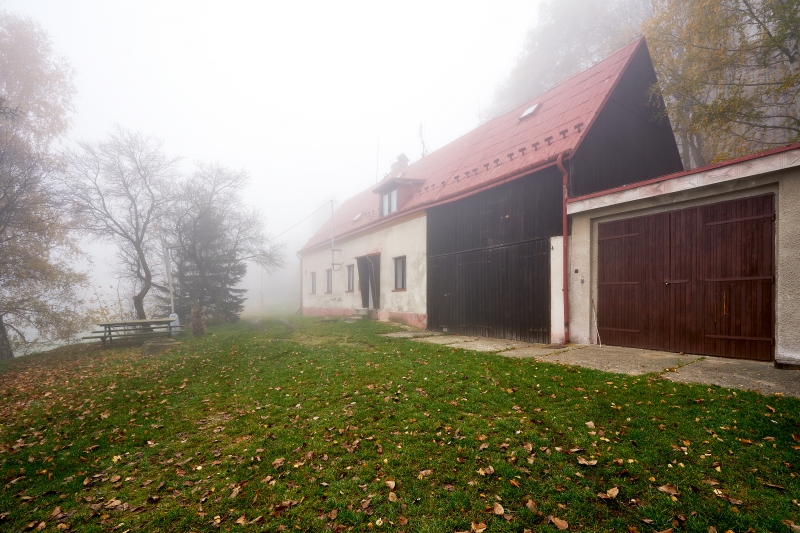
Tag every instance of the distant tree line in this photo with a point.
(729, 70)
(124, 191)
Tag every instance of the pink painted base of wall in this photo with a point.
(417, 320)
(327, 311)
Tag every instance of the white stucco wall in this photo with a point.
(781, 179)
(556, 291)
(405, 238)
(787, 326)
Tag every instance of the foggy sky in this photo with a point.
(298, 93)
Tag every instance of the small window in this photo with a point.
(329, 281)
(389, 202)
(399, 273)
(313, 283)
(351, 278)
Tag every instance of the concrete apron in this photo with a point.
(731, 373)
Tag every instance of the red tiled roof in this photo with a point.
(501, 148)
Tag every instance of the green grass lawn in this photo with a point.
(329, 426)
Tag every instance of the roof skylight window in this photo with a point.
(530, 111)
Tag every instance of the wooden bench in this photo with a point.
(134, 329)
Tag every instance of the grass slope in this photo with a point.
(328, 426)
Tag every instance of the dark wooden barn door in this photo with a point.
(501, 292)
(697, 280)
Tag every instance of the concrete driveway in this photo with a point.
(731, 373)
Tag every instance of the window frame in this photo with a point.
(351, 278)
(400, 268)
(313, 283)
(328, 280)
(388, 202)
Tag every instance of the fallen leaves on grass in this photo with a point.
(489, 470)
(424, 473)
(610, 494)
(584, 462)
(721, 494)
(277, 463)
(670, 489)
(559, 523)
(498, 509)
(791, 525)
(477, 527)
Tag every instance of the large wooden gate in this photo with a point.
(697, 280)
(502, 292)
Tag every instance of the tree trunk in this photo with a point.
(138, 299)
(5, 345)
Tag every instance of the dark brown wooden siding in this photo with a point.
(525, 209)
(489, 260)
(697, 280)
(631, 140)
(501, 292)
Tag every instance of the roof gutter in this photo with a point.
(539, 165)
(564, 240)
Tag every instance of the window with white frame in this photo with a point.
(400, 273)
(329, 281)
(313, 283)
(351, 278)
(388, 202)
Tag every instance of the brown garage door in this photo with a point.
(697, 280)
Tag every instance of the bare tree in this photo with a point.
(118, 188)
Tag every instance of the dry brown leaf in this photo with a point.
(402, 520)
(670, 489)
(115, 478)
(333, 514)
(794, 527)
(56, 512)
(489, 470)
(277, 463)
(590, 424)
(235, 492)
(721, 494)
(392, 497)
(498, 509)
(424, 474)
(665, 531)
(478, 527)
(612, 492)
(560, 524)
(712, 529)
(242, 520)
(584, 462)
(531, 505)
(390, 483)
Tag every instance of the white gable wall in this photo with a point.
(407, 237)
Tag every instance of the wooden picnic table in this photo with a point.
(133, 329)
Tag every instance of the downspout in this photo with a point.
(565, 255)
